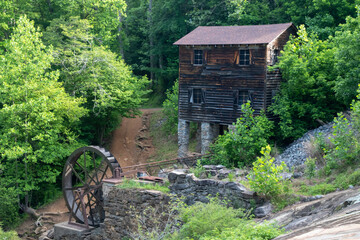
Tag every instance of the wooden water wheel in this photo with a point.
(82, 180)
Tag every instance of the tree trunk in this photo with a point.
(151, 42)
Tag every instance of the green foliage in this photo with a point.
(198, 170)
(96, 74)
(37, 117)
(201, 219)
(8, 206)
(214, 220)
(129, 183)
(322, 188)
(307, 95)
(344, 180)
(11, 235)
(241, 146)
(170, 109)
(265, 176)
(347, 55)
(346, 145)
(310, 169)
(249, 230)
(231, 176)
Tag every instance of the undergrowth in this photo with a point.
(214, 220)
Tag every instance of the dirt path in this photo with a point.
(130, 144)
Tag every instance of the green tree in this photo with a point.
(37, 117)
(96, 74)
(170, 109)
(306, 97)
(239, 147)
(348, 60)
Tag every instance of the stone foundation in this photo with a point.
(183, 137)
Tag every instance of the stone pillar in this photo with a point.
(183, 137)
(207, 136)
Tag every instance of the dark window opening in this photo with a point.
(197, 96)
(275, 55)
(198, 57)
(244, 57)
(243, 97)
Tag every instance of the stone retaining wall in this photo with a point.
(125, 209)
(194, 189)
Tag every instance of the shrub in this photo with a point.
(214, 220)
(265, 176)
(198, 170)
(170, 109)
(241, 146)
(247, 230)
(346, 145)
(310, 169)
(8, 235)
(8, 206)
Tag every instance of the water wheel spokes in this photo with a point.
(82, 183)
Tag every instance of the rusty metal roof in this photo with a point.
(226, 35)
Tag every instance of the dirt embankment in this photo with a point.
(131, 144)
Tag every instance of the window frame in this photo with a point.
(237, 94)
(202, 94)
(195, 59)
(248, 55)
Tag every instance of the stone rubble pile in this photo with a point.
(296, 154)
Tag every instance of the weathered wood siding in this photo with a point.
(219, 77)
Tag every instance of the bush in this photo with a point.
(8, 235)
(310, 169)
(241, 146)
(8, 207)
(346, 145)
(170, 109)
(215, 221)
(265, 176)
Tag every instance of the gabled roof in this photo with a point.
(226, 35)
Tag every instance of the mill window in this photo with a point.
(198, 57)
(196, 95)
(244, 57)
(243, 97)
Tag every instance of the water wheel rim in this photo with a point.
(90, 183)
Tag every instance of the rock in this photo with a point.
(219, 167)
(223, 173)
(351, 186)
(211, 172)
(263, 211)
(297, 175)
(286, 176)
(209, 167)
(174, 175)
(295, 154)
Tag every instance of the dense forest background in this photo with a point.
(70, 69)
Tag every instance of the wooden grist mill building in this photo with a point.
(222, 67)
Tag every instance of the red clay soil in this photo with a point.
(130, 145)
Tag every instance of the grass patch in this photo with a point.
(128, 183)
